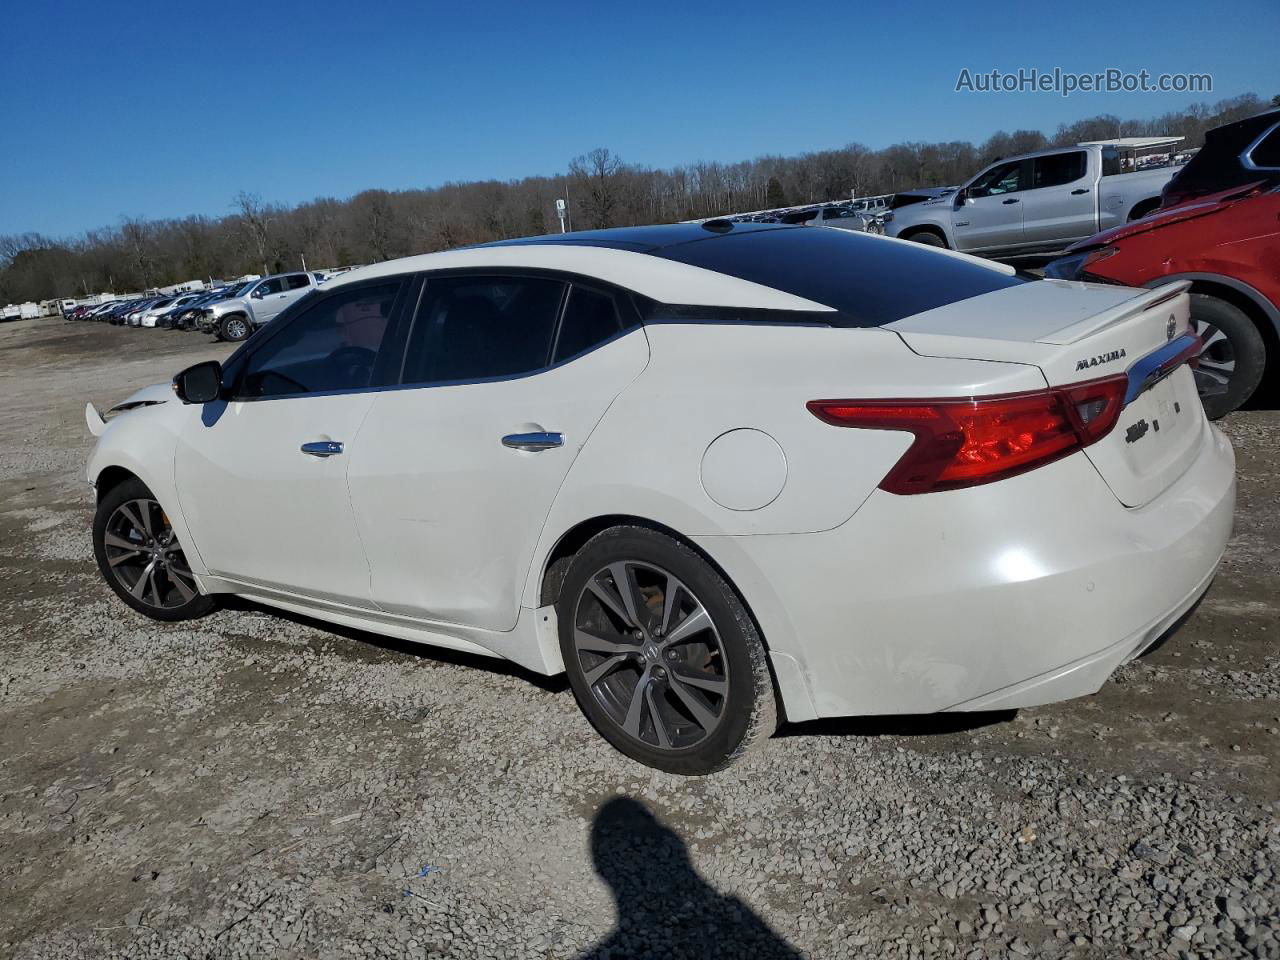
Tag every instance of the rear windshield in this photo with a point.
(871, 281)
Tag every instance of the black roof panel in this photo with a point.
(642, 239)
(870, 281)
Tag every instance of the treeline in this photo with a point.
(601, 188)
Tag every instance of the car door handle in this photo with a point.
(1076, 193)
(533, 442)
(1009, 201)
(322, 448)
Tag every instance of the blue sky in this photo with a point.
(164, 109)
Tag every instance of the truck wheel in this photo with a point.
(1233, 357)
(928, 238)
(1144, 209)
(234, 328)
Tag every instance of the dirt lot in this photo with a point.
(259, 785)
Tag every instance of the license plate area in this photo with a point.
(1154, 441)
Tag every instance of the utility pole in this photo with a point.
(304, 262)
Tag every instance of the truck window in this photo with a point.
(1110, 162)
(268, 287)
(1006, 178)
(1058, 168)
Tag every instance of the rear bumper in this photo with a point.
(1022, 592)
(1089, 673)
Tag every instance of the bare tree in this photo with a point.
(602, 189)
(597, 173)
(255, 220)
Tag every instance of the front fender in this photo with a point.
(144, 442)
(229, 307)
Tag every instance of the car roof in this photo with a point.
(622, 256)
(649, 239)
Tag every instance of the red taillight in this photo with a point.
(965, 442)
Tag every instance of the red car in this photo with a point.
(1226, 243)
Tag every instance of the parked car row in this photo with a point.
(231, 312)
(865, 215)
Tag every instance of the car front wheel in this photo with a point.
(234, 328)
(661, 654)
(928, 238)
(141, 557)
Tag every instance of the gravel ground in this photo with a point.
(254, 784)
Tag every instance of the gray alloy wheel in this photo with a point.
(145, 557)
(1217, 361)
(235, 328)
(651, 655)
(1233, 355)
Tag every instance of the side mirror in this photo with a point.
(962, 197)
(201, 383)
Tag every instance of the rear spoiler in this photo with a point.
(1139, 304)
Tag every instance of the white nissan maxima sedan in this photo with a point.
(712, 472)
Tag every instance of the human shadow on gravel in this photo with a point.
(664, 908)
(420, 651)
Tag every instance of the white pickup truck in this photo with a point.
(1045, 201)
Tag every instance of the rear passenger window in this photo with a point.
(1110, 162)
(590, 318)
(297, 281)
(478, 328)
(1057, 169)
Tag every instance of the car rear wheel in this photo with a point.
(1232, 358)
(141, 558)
(234, 328)
(663, 658)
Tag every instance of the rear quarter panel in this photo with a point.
(1120, 193)
(645, 457)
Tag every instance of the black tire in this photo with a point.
(140, 558)
(1144, 209)
(928, 238)
(234, 328)
(1234, 356)
(728, 652)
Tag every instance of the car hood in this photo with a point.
(146, 397)
(1192, 210)
(151, 396)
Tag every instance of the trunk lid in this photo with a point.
(1075, 332)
